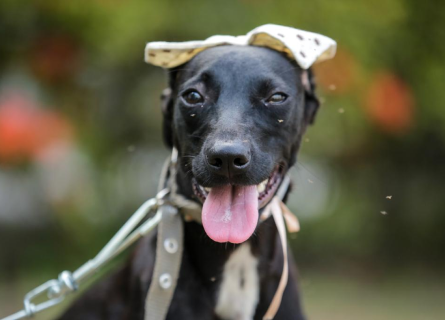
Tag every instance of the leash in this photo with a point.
(167, 205)
(68, 282)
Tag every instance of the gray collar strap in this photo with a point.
(170, 243)
(168, 261)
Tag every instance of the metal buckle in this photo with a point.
(161, 197)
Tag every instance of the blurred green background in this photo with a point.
(80, 142)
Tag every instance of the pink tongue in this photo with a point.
(230, 213)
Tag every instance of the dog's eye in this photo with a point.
(193, 97)
(277, 98)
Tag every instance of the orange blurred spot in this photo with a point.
(337, 75)
(26, 130)
(389, 103)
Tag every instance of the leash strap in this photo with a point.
(169, 250)
(279, 222)
(278, 210)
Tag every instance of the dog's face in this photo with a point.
(236, 115)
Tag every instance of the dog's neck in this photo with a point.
(208, 256)
(233, 272)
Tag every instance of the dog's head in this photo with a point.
(236, 114)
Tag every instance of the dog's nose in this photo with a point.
(228, 158)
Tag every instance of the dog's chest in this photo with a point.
(239, 291)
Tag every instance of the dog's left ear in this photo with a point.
(311, 101)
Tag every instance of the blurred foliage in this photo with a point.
(80, 136)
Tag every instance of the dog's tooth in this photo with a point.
(207, 189)
(261, 187)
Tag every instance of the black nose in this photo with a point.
(228, 158)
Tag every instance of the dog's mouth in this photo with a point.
(266, 189)
(230, 212)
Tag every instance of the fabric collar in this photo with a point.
(306, 48)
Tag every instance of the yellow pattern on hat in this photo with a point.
(305, 47)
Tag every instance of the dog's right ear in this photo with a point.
(167, 104)
(311, 101)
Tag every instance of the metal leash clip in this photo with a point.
(31, 308)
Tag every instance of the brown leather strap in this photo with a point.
(292, 223)
(276, 300)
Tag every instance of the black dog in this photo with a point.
(236, 114)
